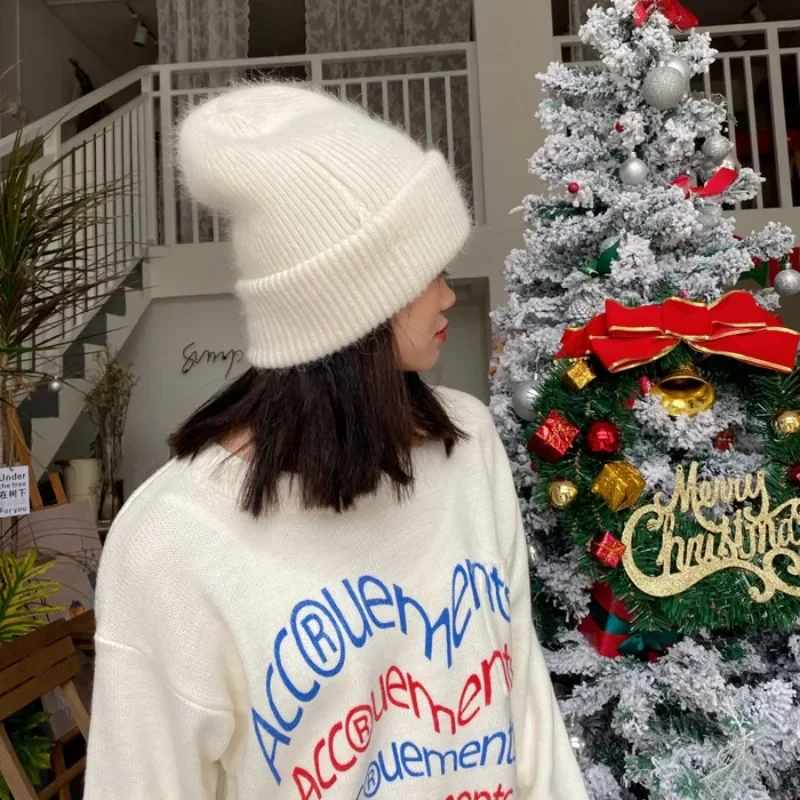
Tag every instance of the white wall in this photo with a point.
(46, 46)
(165, 395)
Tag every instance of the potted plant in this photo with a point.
(49, 267)
(107, 404)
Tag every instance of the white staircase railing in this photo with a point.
(431, 92)
(758, 73)
(115, 148)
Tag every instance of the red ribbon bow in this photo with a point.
(734, 326)
(678, 15)
(720, 182)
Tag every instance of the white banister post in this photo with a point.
(51, 144)
(150, 177)
(167, 165)
(475, 138)
(316, 70)
(779, 116)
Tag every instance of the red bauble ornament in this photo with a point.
(574, 188)
(794, 474)
(724, 440)
(603, 438)
(620, 127)
(553, 438)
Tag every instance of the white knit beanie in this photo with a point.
(337, 220)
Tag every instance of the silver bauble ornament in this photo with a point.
(533, 556)
(664, 88)
(731, 162)
(523, 399)
(578, 745)
(717, 148)
(55, 385)
(681, 65)
(709, 213)
(787, 283)
(633, 172)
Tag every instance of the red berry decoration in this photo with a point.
(724, 440)
(794, 474)
(620, 127)
(645, 385)
(603, 438)
(574, 188)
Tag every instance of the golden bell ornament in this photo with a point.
(561, 494)
(788, 422)
(684, 393)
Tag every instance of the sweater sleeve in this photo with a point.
(546, 764)
(147, 741)
(163, 703)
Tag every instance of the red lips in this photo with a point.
(442, 334)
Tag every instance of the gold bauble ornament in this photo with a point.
(684, 393)
(788, 422)
(561, 494)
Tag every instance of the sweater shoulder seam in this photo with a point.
(180, 695)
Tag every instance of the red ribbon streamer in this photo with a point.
(720, 181)
(734, 326)
(678, 15)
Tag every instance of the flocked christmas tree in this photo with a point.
(652, 415)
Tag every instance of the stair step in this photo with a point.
(116, 302)
(135, 278)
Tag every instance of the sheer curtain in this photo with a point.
(200, 30)
(341, 26)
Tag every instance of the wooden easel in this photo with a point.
(30, 667)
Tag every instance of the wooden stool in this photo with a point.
(30, 667)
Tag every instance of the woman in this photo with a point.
(326, 594)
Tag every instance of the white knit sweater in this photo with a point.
(386, 652)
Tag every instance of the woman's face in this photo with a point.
(420, 328)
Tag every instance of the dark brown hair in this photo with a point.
(337, 426)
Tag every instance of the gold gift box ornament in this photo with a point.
(620, 484)
(579, 375)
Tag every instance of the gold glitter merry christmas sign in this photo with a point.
(737, 529)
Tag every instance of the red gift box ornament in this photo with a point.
(609, 629)
(608, 550)
(553, 438)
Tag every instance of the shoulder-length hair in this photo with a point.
(337, 427)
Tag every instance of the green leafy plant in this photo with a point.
(32, 747)
(107, 406)
(23, 592)
(52, 235)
